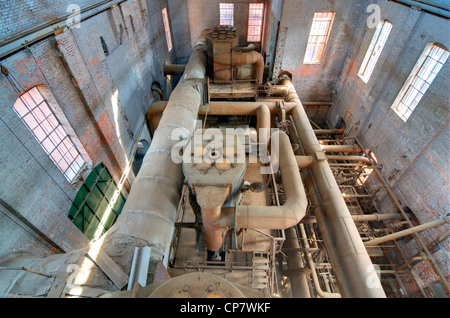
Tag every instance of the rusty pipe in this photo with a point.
(159, 92)
(349, 158)
(261, 110)
(419, 228)
(307, 161)
(173, 69)
(329, 131)
(375, 217)
(218, 108)
(356, 262)
(294, 209)
(154, 115)
(341, 148)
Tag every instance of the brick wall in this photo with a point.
(414, 155)
(17, 15)
(102, 99)
(315, 82)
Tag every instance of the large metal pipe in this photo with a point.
(419, 228)
(358, 267)
(173, 69)
(326, 233)
(341, 148)
(298, 274)
(329, 131)
(294, 209)
(222, 108)
(307, 161)
(148, 216)
(375, 217)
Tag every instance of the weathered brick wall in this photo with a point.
(102, 99)
(315, 82)
(414, 155)
(19, 15)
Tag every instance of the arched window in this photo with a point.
(35, 112)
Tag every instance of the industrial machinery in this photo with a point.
(237, 196)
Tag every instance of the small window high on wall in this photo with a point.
(374, 51)
(167, 29)
(226, 13)
(255, 21)
(318, 37)
(427, 67)
(35, 112)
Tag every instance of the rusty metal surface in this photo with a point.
(214, 171)
(161, 273)
(197, 285)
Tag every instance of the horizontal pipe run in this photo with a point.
(439, 10)
(307, 161)
(173, 69)
(348, 158)
(222, 108)
(363, 218)
(304, 161)
(341, 148)
(419, 228)
(320, 132)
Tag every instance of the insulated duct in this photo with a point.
(148, 216)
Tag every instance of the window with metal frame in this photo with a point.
(226, 13)
(167, 28)
(374, 51)
(427, 67)
(35, 112)
(318, 37)
(255, 21)
(97, 204)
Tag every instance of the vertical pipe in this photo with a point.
(358, 267)
(319, 290)
(296, 271)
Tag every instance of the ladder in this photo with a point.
(260, 270)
